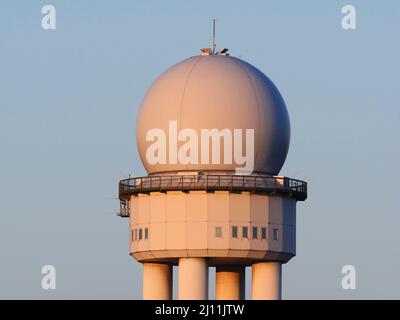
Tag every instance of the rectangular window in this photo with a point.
(255, 236)
(263, 233)
(132, 233)
(234, 232)
(276, 234)
(218, 232)
(140, 234)
(245, 232)
(146, 233)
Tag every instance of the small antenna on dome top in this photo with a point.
(212, 50)
(213, 38)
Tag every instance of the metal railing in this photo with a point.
(234, 183)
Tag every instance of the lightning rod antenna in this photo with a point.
(213, 37)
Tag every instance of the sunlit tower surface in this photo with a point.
(199, 215)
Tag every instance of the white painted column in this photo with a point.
(193, 279)
(230, 283)
(267, 281)
(157, 281)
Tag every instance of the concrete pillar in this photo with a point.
(157, 281)
(267, 281)
(193, 279)
(230, 283)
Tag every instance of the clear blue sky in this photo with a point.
(68, 102)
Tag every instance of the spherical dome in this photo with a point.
(213, 92)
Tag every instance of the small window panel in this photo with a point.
(255, 235)
(263, 233)
(234, 232)
(245, 232)
(275, 234)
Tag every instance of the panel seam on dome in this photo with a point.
(183, 95)
(258, 111)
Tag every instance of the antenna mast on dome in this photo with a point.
(213, 38)
(212, 50)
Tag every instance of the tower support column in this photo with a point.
(193, 279)
(267, 281)
(230, 283)
(157, 281)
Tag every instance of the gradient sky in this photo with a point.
(68, 103)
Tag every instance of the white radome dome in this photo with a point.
(217, 91)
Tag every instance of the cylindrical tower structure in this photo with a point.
(193, 279)
(266, 281)
(230, 283)
(157, 281)
(213, 133)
